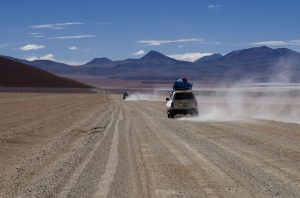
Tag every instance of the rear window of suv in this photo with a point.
(183, 96)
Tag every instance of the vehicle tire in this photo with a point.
(194, 113)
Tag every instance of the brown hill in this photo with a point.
(16, 74)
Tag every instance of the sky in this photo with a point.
(76, 31)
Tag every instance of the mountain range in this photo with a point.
(259, 64)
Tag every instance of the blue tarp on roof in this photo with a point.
(182, 84)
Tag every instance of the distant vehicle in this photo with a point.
(182, 102)
(125, 95)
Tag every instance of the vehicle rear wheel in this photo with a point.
(170, 115)
(194, 113)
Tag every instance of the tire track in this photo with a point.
(73, 179)
(131, 149)
(64, 155)
(112, 163)
(228, 163)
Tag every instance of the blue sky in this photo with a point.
(75, 32)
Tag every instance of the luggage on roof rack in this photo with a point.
(182, 84)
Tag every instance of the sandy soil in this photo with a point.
(97, 145)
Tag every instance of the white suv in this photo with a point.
(182, 102)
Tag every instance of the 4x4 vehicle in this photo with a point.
(125, 95)
(182, 102)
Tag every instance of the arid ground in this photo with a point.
(98, 145)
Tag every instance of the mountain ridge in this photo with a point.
(258, 64)
(208, 58)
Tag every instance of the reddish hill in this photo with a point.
(16, 74)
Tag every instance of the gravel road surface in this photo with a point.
(97, 145)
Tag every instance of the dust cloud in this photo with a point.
(276, 100)
(255, 101)
(155, 95)
(252, 101)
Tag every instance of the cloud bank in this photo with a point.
(46, 57)
(277, 43)
(31, 47)
(191, 57)
(55, 26)
(139, 52)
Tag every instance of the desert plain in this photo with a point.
(99, 145)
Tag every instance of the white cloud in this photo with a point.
(46, 57)
(73, 63)
(159, 42)
(31, 47)
(180, 46)
(277, 43)
(296, 42)
(209, 42)
(51, 57)
(73, 37)
(36, 35)
(73, 48)
(54, 26)
(213, 6)
(272, 43)
(49, 26)
(32, 58)
(191, 57)
(139, 52)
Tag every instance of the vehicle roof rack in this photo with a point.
(182, 89)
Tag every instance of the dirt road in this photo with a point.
(116, 148)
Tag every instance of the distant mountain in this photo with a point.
(263, 52)
(208, 58)
(259, 64)
(154, 56)
(16, 74)
(99, 61)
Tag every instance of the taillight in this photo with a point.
(172, 105)
(196, 104)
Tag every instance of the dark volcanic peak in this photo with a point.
(16, 74)
(208, 58)
(98, 61)
(154, 56)
(286, 52)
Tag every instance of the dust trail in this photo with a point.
(155, 95)
(279, 102)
